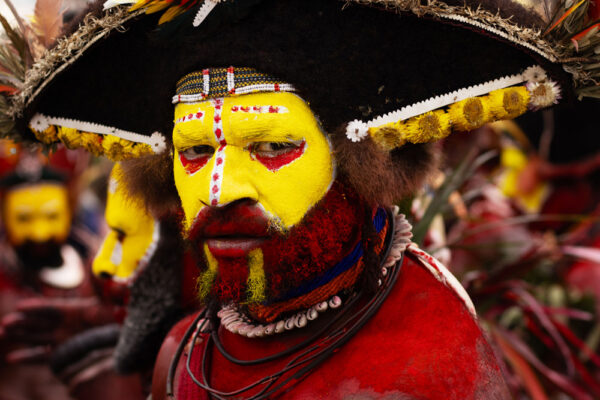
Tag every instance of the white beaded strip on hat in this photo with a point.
(236, 322)
(203, 11)
(156, 141)
(358, 130)
(261, 87)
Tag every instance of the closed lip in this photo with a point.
(233, 246)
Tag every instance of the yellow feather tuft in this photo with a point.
(157, 6)
(140, 4)
(47, 20)
(170, 14)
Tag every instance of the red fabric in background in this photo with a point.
(423, 343)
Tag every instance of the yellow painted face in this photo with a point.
(38, 212)
(132, 237)
(267, 147)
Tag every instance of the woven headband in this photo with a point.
(221, 82)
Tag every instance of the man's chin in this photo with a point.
(233, 247)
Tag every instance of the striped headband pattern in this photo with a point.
(221, 82)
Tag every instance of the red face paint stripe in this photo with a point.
(277, 162)
(193, 166)
(217, 172)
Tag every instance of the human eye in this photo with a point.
(198, 152)
(52, 215)
(274, 149)
(24, 218)
(120, 234)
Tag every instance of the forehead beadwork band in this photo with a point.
(221, 82)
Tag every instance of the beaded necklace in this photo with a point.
(310, 352)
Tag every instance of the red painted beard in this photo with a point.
(327, 233)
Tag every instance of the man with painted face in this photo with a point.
(139, 253)
(37, 217)
(298, 124)
(46, 292)
(294, 261)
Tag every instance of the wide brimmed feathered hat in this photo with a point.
(397, 71)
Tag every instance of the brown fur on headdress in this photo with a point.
(382, 177)
(151, 178)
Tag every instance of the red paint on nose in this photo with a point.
(192, 166)
(281, 160)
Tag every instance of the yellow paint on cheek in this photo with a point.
(37, 212)
(102, 263)
(256, 279)
(286, 191)
(207, 278)
(127, 215)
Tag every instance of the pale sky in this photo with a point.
(24, 8)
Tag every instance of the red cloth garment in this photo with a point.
(423, 343)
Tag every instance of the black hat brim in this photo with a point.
(347, 62)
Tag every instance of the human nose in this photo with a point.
(41, 230)
(232, 182)
(103, 265)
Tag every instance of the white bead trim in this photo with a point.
(203, 12)
(358, 130)
(156, 141)
(236, 322)
(267, 87)
(500, 33)
(230, 80)
(402, 239)
(113, 3)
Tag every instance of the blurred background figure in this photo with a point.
(145, 275)
(47, 292)
(145, 272)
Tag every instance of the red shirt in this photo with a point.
(423, 343)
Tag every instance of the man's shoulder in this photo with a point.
(426, 338)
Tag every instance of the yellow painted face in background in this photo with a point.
(38, 212)
(133, 233)
(267, 147)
